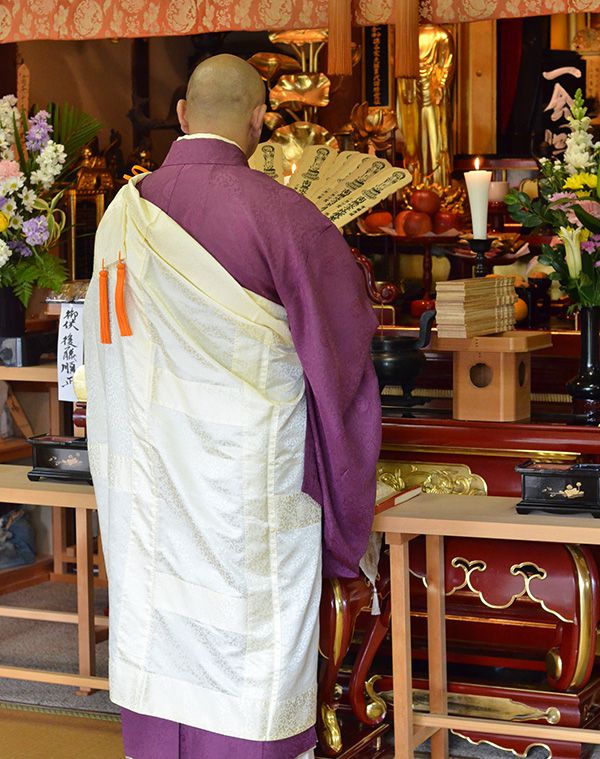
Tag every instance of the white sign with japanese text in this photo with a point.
(69, 355)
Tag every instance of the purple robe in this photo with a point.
(278, 245)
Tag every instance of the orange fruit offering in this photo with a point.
(521, 310)
(377, 219)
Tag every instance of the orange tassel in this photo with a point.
(406, 55)
(104, 316)
(120, 307)
(339, 46)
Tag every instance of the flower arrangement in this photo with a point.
(568, 205)
(35, 154)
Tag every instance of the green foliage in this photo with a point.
(589, 222)
(23, 163)
(41, 269)
(533, 214)
(72, 128)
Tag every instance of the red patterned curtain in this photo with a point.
(97, 19)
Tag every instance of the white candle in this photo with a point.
(286, 180)
(478, 187)
(498, 191)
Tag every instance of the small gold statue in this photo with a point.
(92, 174)
(424, 108)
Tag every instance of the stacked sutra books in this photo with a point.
(471, 307)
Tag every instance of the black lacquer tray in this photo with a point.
(559, 488)
(60, 458)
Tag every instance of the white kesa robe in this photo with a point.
(196, 427)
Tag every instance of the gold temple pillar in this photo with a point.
(476, 107)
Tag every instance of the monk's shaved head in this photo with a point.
(225, 96)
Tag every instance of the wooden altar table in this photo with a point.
(16, 488)
(437, 516)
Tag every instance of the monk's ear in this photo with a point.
(256, 122)
(182, 116)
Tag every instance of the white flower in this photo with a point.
(28, 197)
(572, 240)
(50, 162)
(16, 221)
(5, 146)
(8, 111)
(5, 253)
(11, 185)
(9, 207)
(579, 152)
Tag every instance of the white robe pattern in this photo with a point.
(196, 428)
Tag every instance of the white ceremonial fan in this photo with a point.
(342, 185)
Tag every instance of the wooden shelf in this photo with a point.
(17, 578)
(46, 373)
(15, 487)
(484, 517)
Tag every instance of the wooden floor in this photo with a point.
(44, 734)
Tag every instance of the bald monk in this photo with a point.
(234, 428)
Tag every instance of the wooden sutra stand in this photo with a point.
(492, 374)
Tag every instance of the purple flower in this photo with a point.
(590, 245)
(2, 201)
(18, 246)
(39, 131)
(36, 230)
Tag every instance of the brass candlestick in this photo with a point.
(480, 248)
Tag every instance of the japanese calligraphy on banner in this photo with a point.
(377, 79)
(563, 73)
(69, 354)
(106, 19)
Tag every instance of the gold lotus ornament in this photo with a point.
(295, 137)
(373, 125)
(270, 65)
(298, 36)
(306, 43)
(273, 120)
(296, 91)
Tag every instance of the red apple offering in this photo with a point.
(426, 201)
(417, 224)
(445, 220)
(377, 219)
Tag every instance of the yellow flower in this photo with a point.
(3, 222)
(581, 181)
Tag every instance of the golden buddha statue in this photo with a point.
(424, 108)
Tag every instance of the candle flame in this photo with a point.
(477, 164)
(294, 167)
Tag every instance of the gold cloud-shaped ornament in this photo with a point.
(300, 90)
(270, 65)
(294, 138)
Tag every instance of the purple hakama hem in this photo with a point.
(153, 738)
